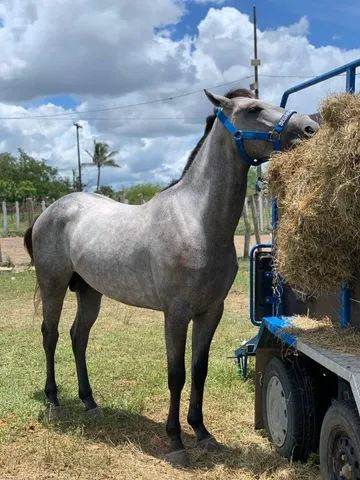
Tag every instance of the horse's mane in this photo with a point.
(237, 92)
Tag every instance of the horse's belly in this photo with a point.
(123, 284)
(134, 298)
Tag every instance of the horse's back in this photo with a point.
(103, 241)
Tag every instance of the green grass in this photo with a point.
(127, 367)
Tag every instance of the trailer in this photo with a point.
(307, 398)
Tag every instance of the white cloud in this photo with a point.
(117, 52)
(86, 47)
(217, 2)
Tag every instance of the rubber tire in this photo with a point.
(302, 430)
(341, 416)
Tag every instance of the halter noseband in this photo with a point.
(272, 136)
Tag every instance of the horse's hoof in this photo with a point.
(179, 458)
(94, 412)
(209, 444)
(54, 413)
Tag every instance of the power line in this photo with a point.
(120, 107)
(117, 118)
(76, 114)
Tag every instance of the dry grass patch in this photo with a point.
(324, 333)
(127, 367)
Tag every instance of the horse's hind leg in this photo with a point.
(204, 327)
(176, 326)
(52, 301)
(88, 309)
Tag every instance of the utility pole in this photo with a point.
(74, 179)
(78, 126)
(255, 62)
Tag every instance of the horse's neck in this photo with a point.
(217, 180)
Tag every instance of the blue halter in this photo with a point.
(272, 136)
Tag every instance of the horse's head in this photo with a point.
(259, 127)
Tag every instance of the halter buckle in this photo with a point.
(274, 135)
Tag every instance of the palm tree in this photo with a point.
(101, 157)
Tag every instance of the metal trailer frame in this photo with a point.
(338, 374)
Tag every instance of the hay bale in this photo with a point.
(322, 333)
(317, 185)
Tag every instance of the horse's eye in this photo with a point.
(255, 109)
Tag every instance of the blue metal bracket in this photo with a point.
(345, 306)
(245, 351)
(350, 79)
(252, 293)
(277, 326)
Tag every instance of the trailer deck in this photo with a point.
(344, 365)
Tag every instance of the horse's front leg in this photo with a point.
(176, 326)
(203, 331)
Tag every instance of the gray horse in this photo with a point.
(174, 254)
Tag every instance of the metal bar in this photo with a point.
(350, 79)
(345, 306)
(345, 292)
(252, 293)
(321, 78)
(279, 307)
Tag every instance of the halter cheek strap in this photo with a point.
(273, 136)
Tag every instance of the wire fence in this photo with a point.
(16, 217)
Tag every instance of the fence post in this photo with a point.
(5, 219)
(30, 210)
(123, 199)
(260, 202)
(43, 205)
(255, 219)
(141, 199)
(247, 234)
(17, 216)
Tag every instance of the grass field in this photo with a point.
(127, 366)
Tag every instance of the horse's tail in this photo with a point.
(28, 243)
(29, 247)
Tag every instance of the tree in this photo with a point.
(101, 157)
(43, 180)
(25, 189)
(106, 190)
(7, 190)
(144, 190)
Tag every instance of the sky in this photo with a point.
(133, 73)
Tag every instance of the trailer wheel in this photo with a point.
(340, 442)
(289, 410)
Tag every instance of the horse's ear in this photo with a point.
(218, 100)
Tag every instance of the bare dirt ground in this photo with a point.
(13, 251)
(13, 248)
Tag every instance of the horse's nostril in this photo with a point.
(309, 130)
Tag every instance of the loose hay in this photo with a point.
(317, 185)
(323, 333)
